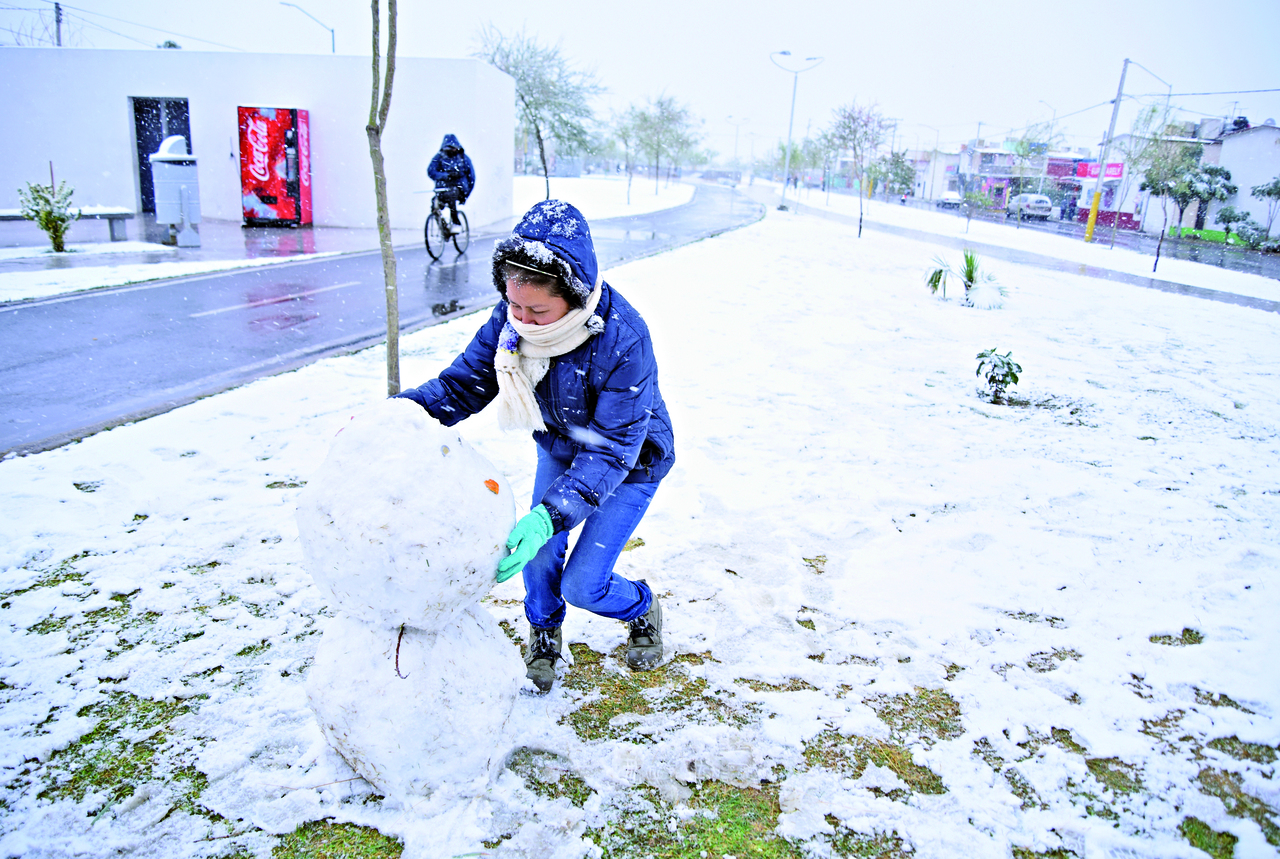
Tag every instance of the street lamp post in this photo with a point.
(737, 123)
(795, 82)
(933, 165)
(333, 40)
(1049, 143)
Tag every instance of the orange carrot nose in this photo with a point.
(493, 486)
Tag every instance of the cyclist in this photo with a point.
(453, 174)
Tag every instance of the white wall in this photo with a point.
(72, 106)
(1253, 157)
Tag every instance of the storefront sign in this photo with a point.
(1089, 170)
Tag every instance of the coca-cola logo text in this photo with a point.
(255, 131)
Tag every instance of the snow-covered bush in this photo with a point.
(51, 209)
(1251, 234)
(1001, 371)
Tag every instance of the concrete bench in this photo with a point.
(113, 215)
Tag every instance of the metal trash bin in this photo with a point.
(177, 189)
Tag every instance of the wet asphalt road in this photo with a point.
(75, 364)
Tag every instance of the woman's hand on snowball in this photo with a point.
(530, 534)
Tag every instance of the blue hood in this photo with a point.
(554, 237)
(451, 142)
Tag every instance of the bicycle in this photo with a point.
(440, 229)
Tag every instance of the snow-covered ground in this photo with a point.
(1098, 253)
(42, 283)
(933, 623)
(599, 197)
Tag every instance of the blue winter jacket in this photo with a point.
(604, 413)
(451, 168)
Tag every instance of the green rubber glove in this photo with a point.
(530, 534)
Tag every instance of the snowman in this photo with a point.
(403, 526)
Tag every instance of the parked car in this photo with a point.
(949, 200)
(1030, 205)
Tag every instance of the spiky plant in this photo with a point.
(970, 274)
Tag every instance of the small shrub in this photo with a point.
(1001, 371)
(51, 210)
(1251, 234)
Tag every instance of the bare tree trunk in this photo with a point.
(377, 122)
(1164, 228)
(542, 153)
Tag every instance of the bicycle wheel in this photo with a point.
(435, 235)
(462, 234)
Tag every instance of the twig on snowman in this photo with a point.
(400, 638)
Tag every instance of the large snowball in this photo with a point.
(444, 723)
(405, 522)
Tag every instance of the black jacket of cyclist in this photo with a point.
(453, 174)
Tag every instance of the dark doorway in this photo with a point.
(154, 119)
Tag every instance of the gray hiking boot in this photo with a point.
(644, 643)
(541, 652)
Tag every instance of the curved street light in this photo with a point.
(333, 42)
(795, 81)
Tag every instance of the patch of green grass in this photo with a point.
(929, 714)
(203, 568)
(623, 692)
(324, 839)
(953, 671)
(1018, 784)
(1219, 845)
(116, 756)
(1220, 700)
(1032, 617)
(806, 623)
(255, 649)
(1229, 788)
(549, 775)
(1115, 774)
(1187, 637)
(290, 483)
(111, 613)
(63, 572)
(1243, 751)
(88, 485)
(1047, 660)
(818, 563)
(850, 843)
(49, 624)
(1054, 853)
(795, 684)
(735, 821)
(633, 543)
(849, 755)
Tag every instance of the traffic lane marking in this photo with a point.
(279, 299)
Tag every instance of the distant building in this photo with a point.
(1253, 157)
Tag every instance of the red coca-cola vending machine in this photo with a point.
(275, 166)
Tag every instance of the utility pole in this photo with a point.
(57, 19)
(1102, 167)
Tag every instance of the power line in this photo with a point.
(1224, 92)
(98, 26)
(146, 27)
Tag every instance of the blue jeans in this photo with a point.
(587, 580)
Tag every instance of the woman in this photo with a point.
(567, 357)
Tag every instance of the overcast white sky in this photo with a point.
(938, 67)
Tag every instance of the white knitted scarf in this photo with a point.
(524, 354)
